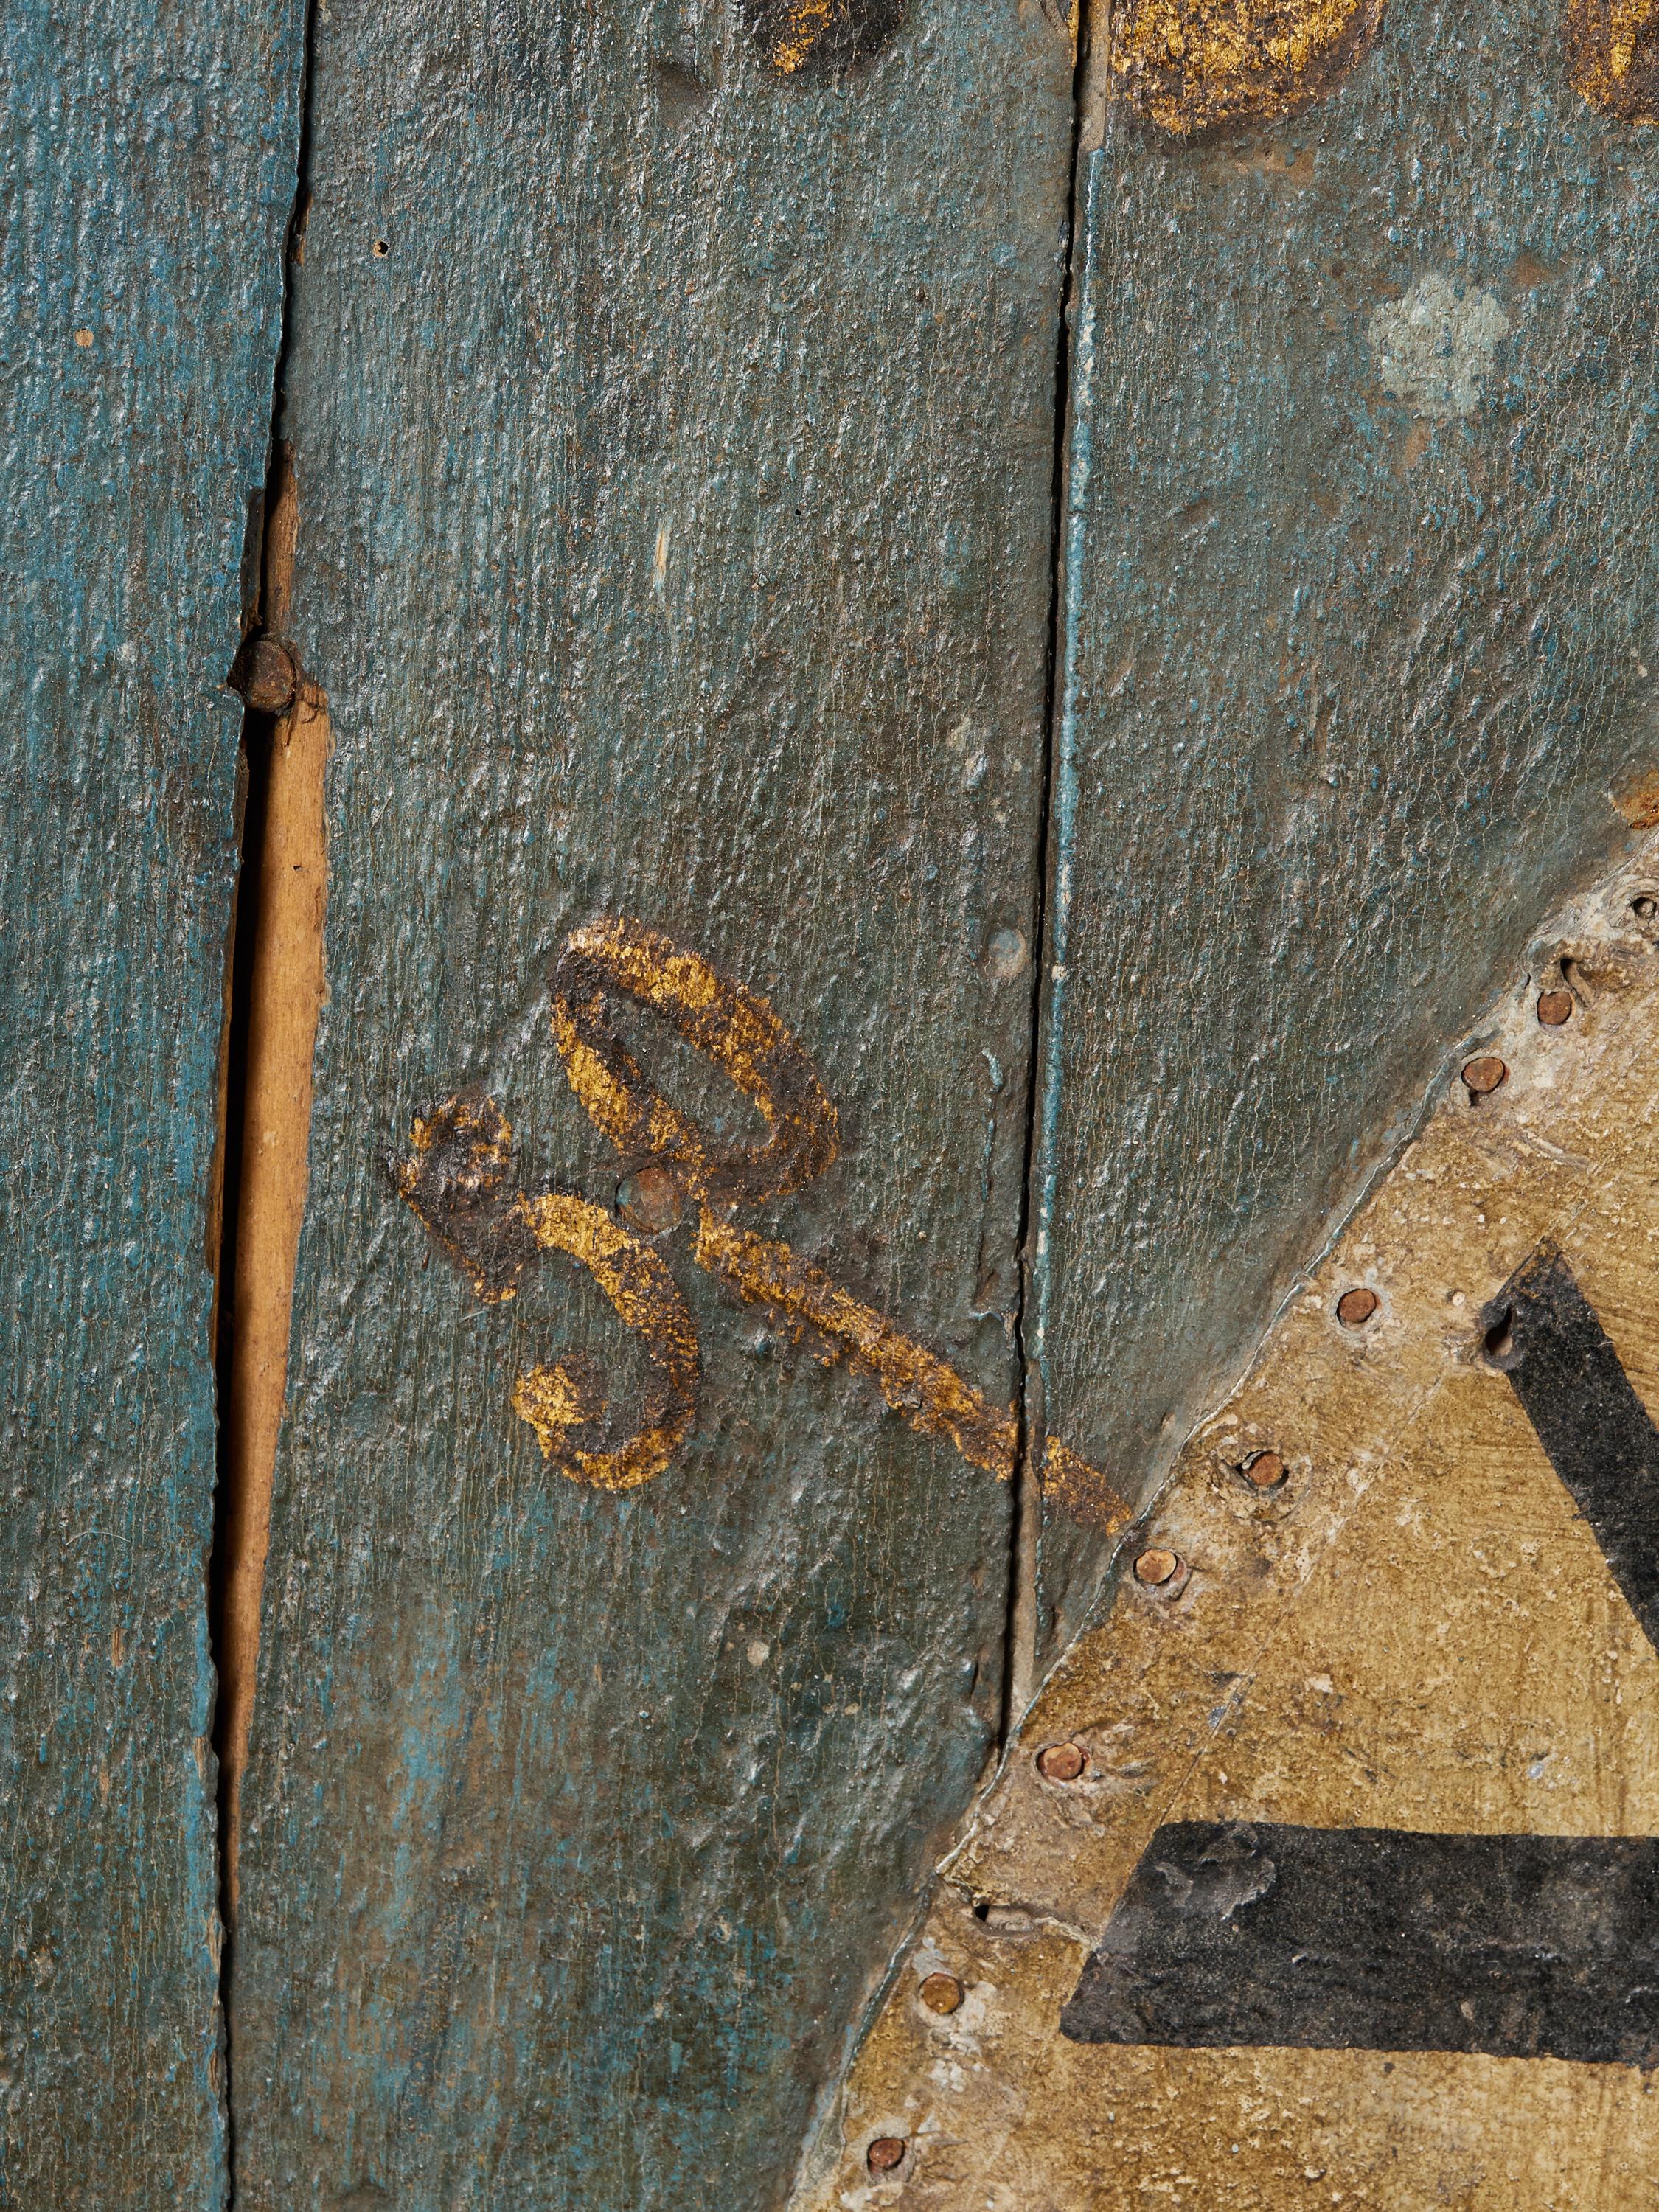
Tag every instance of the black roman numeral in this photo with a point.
(1520, 1947)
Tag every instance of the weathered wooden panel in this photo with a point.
(1324, 1872)
(672, 421)
(1360, 633)
(146, 175)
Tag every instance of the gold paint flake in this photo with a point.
(1189, 66)
(804, 26)
(1612, 55)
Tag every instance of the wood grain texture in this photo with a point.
(1360, 635)
(146, 175)
(674, 447)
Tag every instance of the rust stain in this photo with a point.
(1192, 66)
(1612, 57)
(1639, 801)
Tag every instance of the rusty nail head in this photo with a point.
(1355, 1308)
(1266, 1470)
(885, 2153)
(1155, 1568)
(1061, 1762)
(651, 1200)
(1646, 907)
(265, 675)
(1482, 1076)
(941, 1993)
(1554, 1007)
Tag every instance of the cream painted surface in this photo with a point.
(1416, 1631)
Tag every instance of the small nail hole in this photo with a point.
(1500, 1336)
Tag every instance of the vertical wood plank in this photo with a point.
(146, 176)
(672, 412)
(1359, 653)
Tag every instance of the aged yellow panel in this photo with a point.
(1326, 1871)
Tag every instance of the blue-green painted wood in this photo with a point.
(145, 175)
(1348, 674)
(674, 449)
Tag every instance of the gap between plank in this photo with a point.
(274, 993)
(1023, 1630)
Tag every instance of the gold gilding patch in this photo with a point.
(1411, 1619)
(819, 38)
(1193, 65)
(1612, 55)
(802, 26)
(558, 1401)
(931, 1395)
(731, 1026)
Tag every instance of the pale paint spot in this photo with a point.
(1437, 345)
(1006, 956)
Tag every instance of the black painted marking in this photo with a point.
(1516, 1946)
(1543, 1333)
(1335, 1939)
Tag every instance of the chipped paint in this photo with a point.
(1418, 1630)
(1189, 66)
